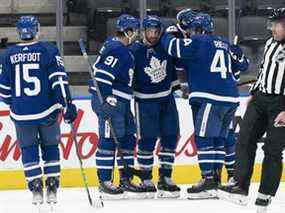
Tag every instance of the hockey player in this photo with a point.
(182, 30)
(114, 69)
(154, 81)
(33, 82)
(213, 96)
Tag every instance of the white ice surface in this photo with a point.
(74, 200)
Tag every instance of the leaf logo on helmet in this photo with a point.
(27, 27)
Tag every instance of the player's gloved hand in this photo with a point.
(236, 52)
(70, 113)
(109, 106)
(185, 90)
(172, 29)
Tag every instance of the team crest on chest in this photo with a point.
(157, 70)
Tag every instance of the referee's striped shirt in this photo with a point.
(271, 79)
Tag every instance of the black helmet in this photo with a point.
(277, 14)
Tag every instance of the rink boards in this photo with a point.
(186, 170)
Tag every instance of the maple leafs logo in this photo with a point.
(157, 70)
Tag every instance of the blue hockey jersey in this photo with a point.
(178, 32)
(208, 62)
(33, 82)
(114, 70)
(155, 76)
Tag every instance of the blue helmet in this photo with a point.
(27, 27)
(185, 18)
(125, 22)
(151, 22)
(203, 21)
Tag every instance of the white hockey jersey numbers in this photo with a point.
(157, 70)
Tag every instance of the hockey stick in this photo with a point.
(93, 203)
(246, 82)
(235, 42)
(139, 173)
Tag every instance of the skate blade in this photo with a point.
(149, 195)
(52, 206)
(98, 203)
(204, 195)
(233, 198)
(166, 194)
(261, 209)
(135, 195)
(106, 196)
(38, 206)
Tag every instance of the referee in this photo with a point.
(265, 113)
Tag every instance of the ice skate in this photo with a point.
(234, 194)
(132, 190)
(149, 189)
(262, 203)
(166, 188)
(38, 197)
(109, 191)
(51, 192)
(204, 189)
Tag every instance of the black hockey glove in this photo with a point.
(236, 52)
(70, 114)
(109, 107)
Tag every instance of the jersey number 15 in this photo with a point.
(32, 80)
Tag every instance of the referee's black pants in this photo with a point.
(258, 119)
